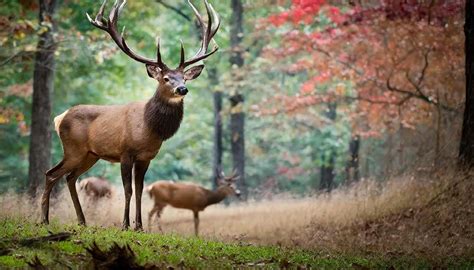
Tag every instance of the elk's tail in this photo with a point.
(57, 121)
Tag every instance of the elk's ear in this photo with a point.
(193, 72)
(153, 71)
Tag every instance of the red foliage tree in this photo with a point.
(397, 62)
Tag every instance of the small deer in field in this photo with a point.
(96, 187)
(131, 134)
(189, 196)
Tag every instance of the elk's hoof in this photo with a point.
(138, 229)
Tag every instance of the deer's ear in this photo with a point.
(153, 71)
(193, 72)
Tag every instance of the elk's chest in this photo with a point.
(163, 119)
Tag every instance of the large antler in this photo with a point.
(110, 26)
(208, 33)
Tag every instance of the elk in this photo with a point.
(131, 134)
(189, 196)
(96, 187)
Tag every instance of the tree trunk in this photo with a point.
(43, 79)
(236, 33)
(352, 168)
(327, 174)
(466, 149)
(327, 169)
(217, 149)
(237, 118)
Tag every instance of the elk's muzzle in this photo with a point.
(182, 90)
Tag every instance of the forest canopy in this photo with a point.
(331, 92)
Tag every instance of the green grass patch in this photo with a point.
(170, 250)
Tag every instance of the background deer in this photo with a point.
(96, 187)
(189, 196)
(131, 134)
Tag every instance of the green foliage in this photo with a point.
(91, 70)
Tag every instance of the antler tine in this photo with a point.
(99, 20)
(110, 26)
(182, 54)
(158, 56)
(99, 17)
(209, 23)
(207, 34)
(216, 18)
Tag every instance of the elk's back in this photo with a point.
(107, 131)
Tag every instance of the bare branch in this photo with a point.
(175, 9)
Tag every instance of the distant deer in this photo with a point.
(131, 134)
(189, 196)
(96, 187)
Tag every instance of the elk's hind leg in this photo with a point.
(85, 165)
(52, 177)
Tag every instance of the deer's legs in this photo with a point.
(196, 222)
(158, 209)
(140, 170)
(150, 216)
(52, 177)
(126, 165)
(88, 162)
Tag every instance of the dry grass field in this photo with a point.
(406, 216)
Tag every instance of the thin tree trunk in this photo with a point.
(237, 118)
(466, 149)
(43, 79)
(352, 167)
(327, 174)
(327, 169)
(217, 149)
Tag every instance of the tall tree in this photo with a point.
(237, 118)
(43, 79)
(217, 148)
(466, 150)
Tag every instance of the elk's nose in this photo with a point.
(182, 90)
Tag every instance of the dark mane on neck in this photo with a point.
(162, 117)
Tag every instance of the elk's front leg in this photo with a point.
(140, 170)
(126, 165)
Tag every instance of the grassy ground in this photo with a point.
(168, 250)
(405, 223)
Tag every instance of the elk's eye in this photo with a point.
(166, 79)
